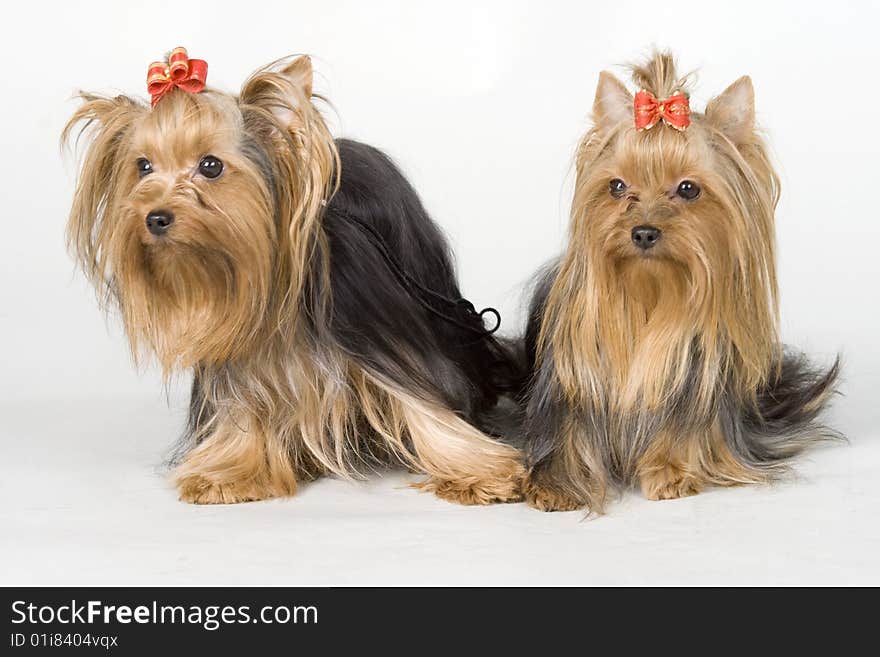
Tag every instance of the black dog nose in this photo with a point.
(645, 237)
(159, 221)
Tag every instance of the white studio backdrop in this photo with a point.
(481, 104)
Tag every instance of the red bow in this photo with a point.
(180, 71)
(675, 110)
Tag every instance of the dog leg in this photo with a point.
(463, 464)
(237, 462)
(569, 478)
(547, 492)
(670, 468)
(668, 481)
(678, 468)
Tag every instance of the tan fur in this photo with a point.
(548, 498)
(328, 428)
(623, 324)
(221, 293)
(238, 462)
(575, 479)
(177, 302)
(678, 466)
(463, 465)
(591, 289)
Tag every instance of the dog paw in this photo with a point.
(544, 498)
(474, 491)
(197, 489)
(669, 483)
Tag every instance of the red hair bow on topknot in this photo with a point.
(675, 110)
(180, 71)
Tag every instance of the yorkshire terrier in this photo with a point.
(653, 340)
(298, 277)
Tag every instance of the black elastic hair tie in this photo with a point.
(422, 294)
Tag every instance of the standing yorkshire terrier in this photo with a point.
(299, 278)
(654, 338)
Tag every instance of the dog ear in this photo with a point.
(278, 112)
(299, 72)
(613, 104)
(283, 90)
(733, 112)
(104, 123)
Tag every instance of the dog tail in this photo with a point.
(785, 419)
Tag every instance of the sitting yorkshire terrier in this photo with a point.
(653, 340)
(301, 281)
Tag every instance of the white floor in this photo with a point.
(84, 501)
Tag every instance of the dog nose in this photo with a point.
(158, 221)
(645, 237)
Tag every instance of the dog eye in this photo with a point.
(617, 187)
(688, 190)
(144, 167)
(210, 166)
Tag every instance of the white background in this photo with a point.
(482, 104)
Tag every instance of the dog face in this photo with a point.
(196, 216)
(690, 209)
(188, 234)
(671, 249)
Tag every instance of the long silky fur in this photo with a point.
(764, 436)
(611, 388)
(308, 354)
(362, 331)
